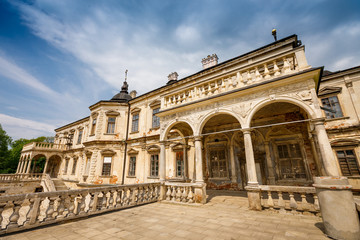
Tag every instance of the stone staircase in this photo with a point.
(59, 185)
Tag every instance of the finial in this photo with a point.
(126, 71)
(273, 32)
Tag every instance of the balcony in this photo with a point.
(35, 146)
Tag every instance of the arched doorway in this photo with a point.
(181, 157)
(220, 168)
(53, 166)
(287, 144)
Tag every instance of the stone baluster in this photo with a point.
(168, 193)
(118, 198)
(145, 193)
(257, 74)
(239, 79)
(50, 210)
(140, 195)
(266, 72)
(316, 203)
(104, 200)
(2, 207)
(111, 198)
(14, 217)
(293, 203)
(276, 69)
(82, 204)
(281, 202)
(190, 196)
(124, 198)
(178, 194)
(248, 77)
(61, 207)
(304, 203)
(132, 196)
(93, 201)
(173, 194)
(71, 206)
(270, 201)
(184, 195)
(286, 67)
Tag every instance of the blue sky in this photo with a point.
(59, 57)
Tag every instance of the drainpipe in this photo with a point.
(126, 138)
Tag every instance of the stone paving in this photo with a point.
(225, 216)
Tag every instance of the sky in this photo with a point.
(59, 57)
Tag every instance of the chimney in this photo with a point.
(133, 94)
(172, 78)
(210, 61)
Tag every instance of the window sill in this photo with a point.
(131, 176)
(134, 132)
(106, 176)
(109, 133)
(154, 128)
(334, 119)
(153, 177)
(91, 135)
(220, 179)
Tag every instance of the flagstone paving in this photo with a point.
(225, 216)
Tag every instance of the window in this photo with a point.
(218, 163)
(132, 166)
(135, 123)
(79, 136)
(66, 166)
(154, 165)
(106, 171)
(74, 166)
(332, 103)
(93, 126)
(87, 167)
(348, 162)
(155, 119)
(111, 125)
(179, 164)
(290, 160)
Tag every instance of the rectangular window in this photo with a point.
(66, 166)
(155, 119)
(111, 125)
(290, 160)
(348, 162)
(218, 163)
(180, 164)
(93, 126)
(132, 166)
(154, 165)
(74, 167)
(106, 171)
(135, 123)
(87, 167)
(333, 105)
(79, 136)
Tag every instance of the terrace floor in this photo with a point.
(225, 216)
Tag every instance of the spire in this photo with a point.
(125, 86)
(123, 95)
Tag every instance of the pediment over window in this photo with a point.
(155, 104)
(132, 152)
(135, 110)
(108, 152)
(344, 142)
(112, 113)
(153, 149)
(329, 90)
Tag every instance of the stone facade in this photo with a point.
(257, 119)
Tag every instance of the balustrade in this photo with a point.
(182, 192)
(244, 77)
(20, 177)
(288, 198)
(37, 209)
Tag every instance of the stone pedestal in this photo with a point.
(253, 193)
(337, 207)
(200, 193)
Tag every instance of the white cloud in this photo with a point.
(12, 71)
(24, 128)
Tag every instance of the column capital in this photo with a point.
(198, 138)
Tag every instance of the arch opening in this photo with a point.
(53, 166)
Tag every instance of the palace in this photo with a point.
(262, 118)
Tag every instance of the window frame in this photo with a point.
(108, 170)
(93, 126)
(347, 162)
(73, 170)
(155, 119)
(80, 134)
(154, 165)
(135, 119)
(111, 125)
(132, 166)
(334, 106)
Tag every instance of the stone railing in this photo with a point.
(43, 146)
(24, 211)
(251, 74)
(20, 177)
(186, 193)
(288, 198)
(47, 183)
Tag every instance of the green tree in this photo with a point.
(5, 141)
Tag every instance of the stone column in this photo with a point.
(45, 167)
(28, 166)
(253, 189)
(325, 149)
(23, 165)
(186, 165)
(198, 159)
(250, 160)
(162, 160)
(19, 165)
(233, 167)
(269, 163)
